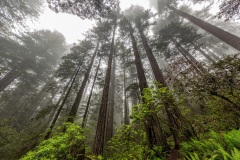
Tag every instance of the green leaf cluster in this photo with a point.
(154, 97)
(68, 145)
(128, 143)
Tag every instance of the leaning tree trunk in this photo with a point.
(49, 118)
(226, 37)
(13, 74)
(126, 108)
(37, 100)
(84, 121)
(109, 133)
(185, 54)
(212, 53)
(51, 112)
(202, 52)
(153, 128)
(101, 123)
(217, 50)
(73, 112)
(172, 112)
(72, 80)
(153, 62)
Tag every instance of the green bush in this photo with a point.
(63, 146)
(130, 142)
(127, 143)
(223, 146)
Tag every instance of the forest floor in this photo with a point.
(174, 155)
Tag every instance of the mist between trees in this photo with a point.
(142, 84)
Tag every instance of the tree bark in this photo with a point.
(153, 62)
(73, 111)
(84, 121)
(126, 108)
(101, 124)
(109, 131)
(140, 71)
(171, 112)
(13, 74)
(226, 37)
(154, 131)
(73, 78)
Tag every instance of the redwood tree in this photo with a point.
(226, 37)
(101, 123)
(73, 111)
(84, 121)
(154, 131)
(110, 118)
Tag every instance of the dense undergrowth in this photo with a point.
(130, 143)
(67, 145)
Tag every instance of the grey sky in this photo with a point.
(71, 26)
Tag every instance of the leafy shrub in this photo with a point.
(215, 147)
(63, 146)
(127, 143)
(130, 142)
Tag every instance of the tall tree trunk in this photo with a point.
(154, 131)
(126, 108)
(101, 123)
(85, 90)
(84, 121)
(72, 80)
(173, 113)
(212, 53)
(185, 53)
(73, 111)
(226, 37)
(37, 99)
(139, 66)
(199, 65)
(13, 74)
(109, 133)
(218, 51)
(202, 52)
(53, 107)
(153, 62)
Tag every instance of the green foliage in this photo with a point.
(214, 97)
(14, 144)
(154, 99)
(128, 143)
(10, 142)
(224, 146)
(68, 145)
